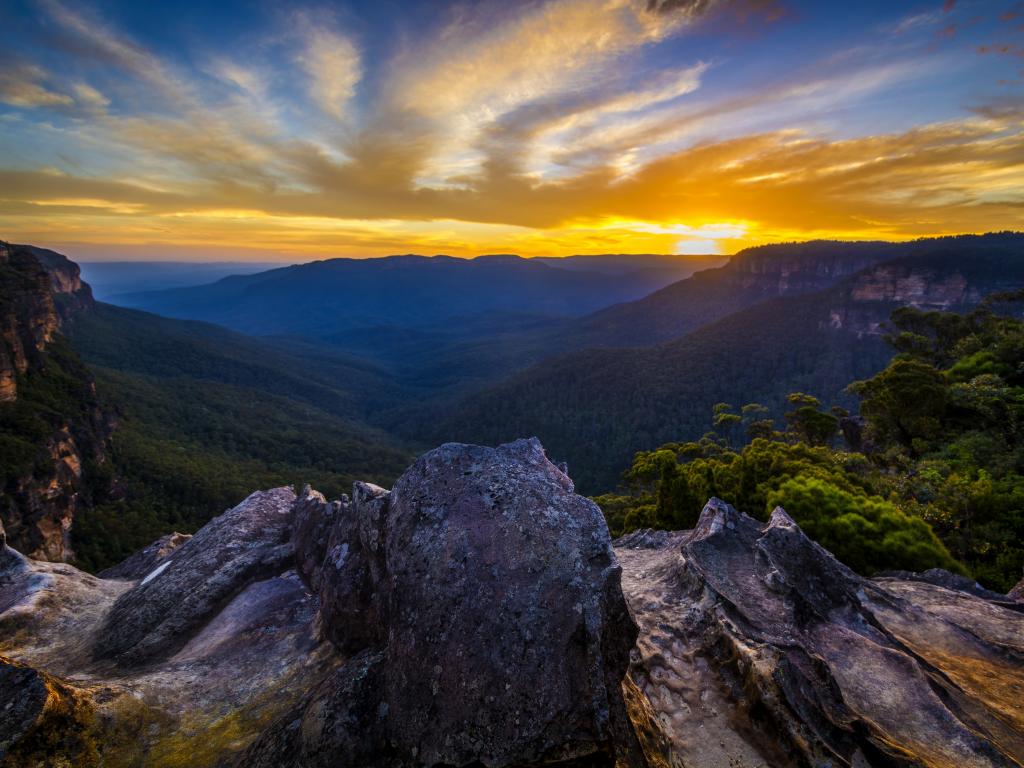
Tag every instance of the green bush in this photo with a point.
(865, 532)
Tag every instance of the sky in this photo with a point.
(274, 130)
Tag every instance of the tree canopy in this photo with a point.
(937, 477)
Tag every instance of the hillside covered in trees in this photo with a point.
(931, 474)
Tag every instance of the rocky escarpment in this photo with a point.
(792, 268)
(757, 647)
(477, 615)
(28, 316)
(71, 293)
(49, 415)
(952, 281)
(472, 615)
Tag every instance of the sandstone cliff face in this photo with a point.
(38, 504)
(864, 303)
(71, 292)
(802, 268)
(28, 316)
(476, 614)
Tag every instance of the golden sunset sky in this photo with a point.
(279, 131)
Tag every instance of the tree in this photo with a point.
(725, 421)
(905, 404)
(865, 532)
(808, 423)
(757, 422)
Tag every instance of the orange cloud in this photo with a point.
(495, 145)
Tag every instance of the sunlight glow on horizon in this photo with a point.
(555, 128)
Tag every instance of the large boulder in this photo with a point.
(169, 604)
(758, 647)
(481, 600)
(509, 635)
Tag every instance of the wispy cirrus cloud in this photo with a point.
(25, 85)
(557, 125)
(333, 66)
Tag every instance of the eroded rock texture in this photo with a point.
(481, 602)
(139, 564)
(757, 647)
(159, 614)
(39, 290)
(474, 616)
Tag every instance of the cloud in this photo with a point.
(333, 65)
(553, 126)
(88, 96)
(551, 47)
(23, 86)
(945, 177)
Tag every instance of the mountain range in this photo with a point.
(345, 368)
(140, 624)
(337, 295)
(596, 407)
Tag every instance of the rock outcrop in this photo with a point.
(758, 647)
(476, 615)
(165, 608)
(28, 316)
(481, 602)
(71, 293)
(44, 720)
(143, 562)
(1017, 593)
(44, 384)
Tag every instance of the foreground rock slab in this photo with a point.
(757, 647)
(498, 631)
(477, 614)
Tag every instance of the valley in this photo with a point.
(194, 415)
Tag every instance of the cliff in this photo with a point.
(28, 316)
(945, 282)
(70, 292)
(478, 614)
(766, 272)
(50, 422)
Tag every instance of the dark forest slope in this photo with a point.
(596, 407)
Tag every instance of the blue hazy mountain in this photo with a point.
(109, 279)
(326, 297)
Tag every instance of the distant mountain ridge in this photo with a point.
(110, 279)
(336, 295)
(751, 276)
(596, 407)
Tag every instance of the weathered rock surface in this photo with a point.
(72, 294)
(481, 601)
(473, 616)
(1017, 593)
(28, 316)
(38, 289)
(160, 613)
(45, 722)
(212, 679)
(758, 647)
